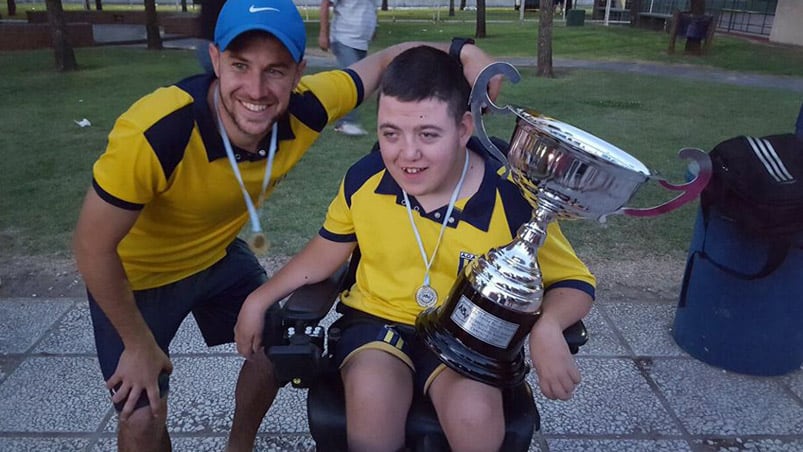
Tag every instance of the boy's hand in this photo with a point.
(248, 331)
(557, 371)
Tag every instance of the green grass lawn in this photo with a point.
(47, 158)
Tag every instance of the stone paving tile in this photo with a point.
(613, 399)
(646, 327)
(189, 340)
(51, 394)
(710, 401)
(602, 339)
(7, 365)
(618, 445)
(72, 334)
(795, 382)
(202, 399)
(759, 445)
(201, 395)
(22, 321)
(217, 443)
(43, 444)
(288, 413)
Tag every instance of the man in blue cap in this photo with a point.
(185, 168)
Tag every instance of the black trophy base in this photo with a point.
(500, 365)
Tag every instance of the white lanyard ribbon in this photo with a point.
(428, 261)
(252, 212)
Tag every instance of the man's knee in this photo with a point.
(143, 425)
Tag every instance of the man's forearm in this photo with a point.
(324, 18)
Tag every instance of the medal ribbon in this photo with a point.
(249, 204)
(428, 261)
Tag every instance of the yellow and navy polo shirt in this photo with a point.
(369, 209)
(166, 158)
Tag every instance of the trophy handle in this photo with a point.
(691, 189)
(479, 99)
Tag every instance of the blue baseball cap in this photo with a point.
(277, 17)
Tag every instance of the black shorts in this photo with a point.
(214, 297)
(361, 331)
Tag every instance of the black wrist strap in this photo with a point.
(457, 46)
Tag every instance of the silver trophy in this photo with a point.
(564, 173)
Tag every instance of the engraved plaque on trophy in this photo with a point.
(564, 173)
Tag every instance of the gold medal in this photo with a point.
(259, 244)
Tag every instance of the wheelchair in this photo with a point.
(304, 360)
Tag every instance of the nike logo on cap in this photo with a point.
(254, 9)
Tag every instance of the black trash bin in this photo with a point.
(575, 17)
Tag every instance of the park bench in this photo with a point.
(654, 21)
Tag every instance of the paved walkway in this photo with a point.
(640, 391)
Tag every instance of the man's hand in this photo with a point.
(557, 371)
(249, 328)
(138, 370)
(474, 60)
(323, 42)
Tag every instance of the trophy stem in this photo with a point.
(480, 329)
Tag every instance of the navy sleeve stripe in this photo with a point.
(309, 110)
(360, 172)
(113, 200)
(575, 284)
(340, 238)
(169, 137)
(358, 84)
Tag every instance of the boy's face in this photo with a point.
(256, 81)
(422, 145)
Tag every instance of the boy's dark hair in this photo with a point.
(425, 72)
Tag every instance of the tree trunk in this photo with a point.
(65, 56)
(152, 26)
(384, 5)
(697, 7)
(99, 5)
(451, 8)
(463, 5)
(480, 33)
(12, 7)
(546, 8)
(183, 6)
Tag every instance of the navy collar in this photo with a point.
(478, 210)
(198, 87)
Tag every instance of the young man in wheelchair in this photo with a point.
(420, 209)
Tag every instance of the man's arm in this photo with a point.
(323, 34)
(317, 261)
(101, 226)
(557, 371)
(474, 60)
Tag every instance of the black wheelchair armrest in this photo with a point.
(576, 336)
(312, 302)
(299, 357)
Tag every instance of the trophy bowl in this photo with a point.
(577, 174)
(564, 173)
